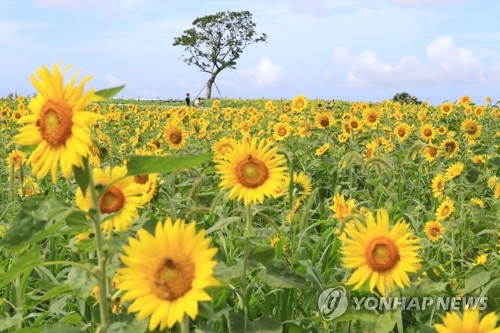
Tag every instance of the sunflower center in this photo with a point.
(324, 122)
(401, 132)
(471, 128)
(445, 211)
(372, 117)
(251, 172)
(111, 201)
(282, 131)
(435, 231)
(427, 132)
(174, 277)
(440, 185)
(141, 179)
(382, 254)
(175, 137)
(55, 122)
(354, 124)
(450, 147)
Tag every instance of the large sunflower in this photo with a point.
(299, 103)
(166, 273)
(427, 132)
(450, 147)
(472, 129)
(175, 135)
(58, 125)
(402, 131)
(379, 254)
(121, 197)
(252, 171)
(469, 322)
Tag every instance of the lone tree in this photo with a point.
(217, 41)
(405, 98)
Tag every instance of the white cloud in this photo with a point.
(446, 63)
(113, 81)
(265, 74)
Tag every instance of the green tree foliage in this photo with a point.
(405, 98)
(216, 41)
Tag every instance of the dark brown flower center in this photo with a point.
(55, 122)
(251, 172)
(382, 254)
(173, 277)
(111, 201)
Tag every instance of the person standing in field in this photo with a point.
(188, 100)
(198, 102)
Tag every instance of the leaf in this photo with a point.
(50, 294)
(222, 223)
(78, 220)
(226, 273)
(140, 165)
(476, 280)
(35, 213)
(261, 325)
(109, 92)
(383, 323)
(82, 176)
(81, 281)
(473, 175)
(60, 328)
(9, 322)
(263, 254)
(279, 275)
(25, 263)
(128, 327)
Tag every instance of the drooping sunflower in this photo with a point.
(223, 147)
(148, 184)
(342, 208)
(477, 201)
(379, 254)
(321, 150)
(15, 159)
(370, 150)
(166, 273)
(252, 171)
(59, 124)
(430, 152)
(175, 135)
(427, 132)
(299, 103)
(450, 147)
(324, 120)
(472, 129)
(445, 209)
(121, 197)
(434, 231)
(469, 322)
(454, 170)
(302, 184)
(438, 183)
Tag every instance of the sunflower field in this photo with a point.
(241, 215)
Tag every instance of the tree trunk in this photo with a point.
(208, 92)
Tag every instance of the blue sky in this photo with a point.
(356, 50)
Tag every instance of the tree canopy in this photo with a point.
(216, 41)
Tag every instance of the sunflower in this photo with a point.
(223, 147)
(175, 135)
(445, 209)
(380, 254)
(481, 260)
(59, 126)
(341, 208)
(478, 111)
(430, 152)
(16, 159)
(450, 147)
(471, 128)
(30, 187)
(148, 184)
(442, 130)
(446, 108)
(299, 103)
(321, 150)
(282, 130)
(166, 273)
(302, 183)
(454, 170)
(121, 197)
(469, 322)
(370, 149)
(438, 183)
(427, 132)
(252, 171)
(371, 117)
(402, 131)
(324, 120)
(434, 231)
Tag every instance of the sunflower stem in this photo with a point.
(101, 253)
(246, 255)
(184, 325)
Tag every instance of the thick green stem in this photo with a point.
(101, 254)
(246, 255)
(184, 325)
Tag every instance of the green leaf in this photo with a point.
(426, 287)
(82, 176)
(263, 254)
(473, 175)
(140, 165)
(128, 327)
(35, 213)
(109, 92)
(60, 328)
(226, 273)
(50, 294)
(279, 275)
(81, 281)
(78, 220)
(261, 325)
(25, 263)
(478, 279)
(384, 323)
(9, 322)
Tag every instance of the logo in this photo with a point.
(332, 303)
